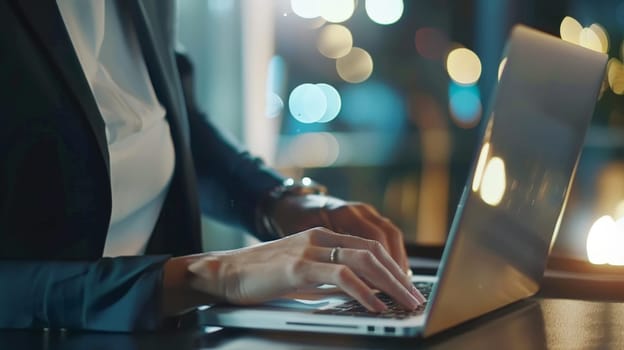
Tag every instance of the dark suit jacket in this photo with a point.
(55, 199)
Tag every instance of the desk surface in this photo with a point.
(531, 324)
(543, 322)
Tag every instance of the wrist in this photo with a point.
(268, 221)
(178, 295)
(175, 272)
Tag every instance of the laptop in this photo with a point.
(510, 210)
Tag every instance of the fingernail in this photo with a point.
(380, 306)
(414, 302)
(416, 294)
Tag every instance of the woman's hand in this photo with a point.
(297, 213)
(301, 261)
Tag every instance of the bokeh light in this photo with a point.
(312, 150)
(307, 103)
(599, 240)
(356, 66)
(336, 11)
(594, 37)
(312, 103)
(570, 30)
(619, 210)
(330, 10)
(589, 39)
(465, 104)
(384, 11)
(334, 103)
(615, 76)
(305, 8)
(603, 37)
(463, 66)
(431, 43)
(335, 41)
(617, 244)
(494, 182)
(372, 105)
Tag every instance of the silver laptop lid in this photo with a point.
(513, 203)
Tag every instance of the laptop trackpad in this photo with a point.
(311, 299)
(301, 304)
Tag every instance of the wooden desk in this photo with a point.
(542, 322)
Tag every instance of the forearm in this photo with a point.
(116, 294)
(232, 181)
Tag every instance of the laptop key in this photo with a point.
(395, 311)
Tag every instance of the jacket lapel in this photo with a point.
(45, 19)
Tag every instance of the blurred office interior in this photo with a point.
(383, 101)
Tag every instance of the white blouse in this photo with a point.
(139, 143)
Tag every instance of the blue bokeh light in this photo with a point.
(307, 103)
(465, 103)
(373, 105)
(334, 103)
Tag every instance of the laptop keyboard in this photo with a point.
(396, 311)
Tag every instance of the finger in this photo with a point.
(397, 272)
(328, 239)
(365, 264)
(345, 279)
(393, 233)
(363, 220)
(372, 231)
(380, 255)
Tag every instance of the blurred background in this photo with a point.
(383, 101)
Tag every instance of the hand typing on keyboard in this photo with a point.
(359, 267)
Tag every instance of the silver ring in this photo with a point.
(333, 255)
